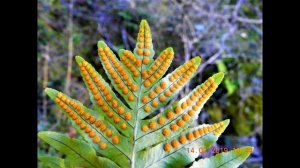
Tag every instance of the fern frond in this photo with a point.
(123, 128)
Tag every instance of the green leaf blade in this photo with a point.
(52, 161)
(81, 153)
(232, 159)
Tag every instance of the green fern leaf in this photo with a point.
(123, 128)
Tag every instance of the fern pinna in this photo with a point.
(123, 130)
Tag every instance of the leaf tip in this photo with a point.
(197, 60)
(51, 92)
(41, 134)
(249, 149)
(47, 90)
(218, 77)
(79, 59)
(144, 22)
(101, 44)
(170, 49)
(226, 122)
(120, 52)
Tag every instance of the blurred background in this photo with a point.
(227, 34)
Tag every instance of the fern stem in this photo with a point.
(70, 48)
(132, 161)
(45, 80)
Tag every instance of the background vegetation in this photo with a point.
(227, 34)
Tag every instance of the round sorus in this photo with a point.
(147, 109)
(190, 136)
(162, 98)
(145, 99)
(78, 121)
(92, 134)
(174, 127)
(196, 134)
(161, 120)
(102, 145)
(152, 125)
(116, 119)
(180, 123)
(147, 83)
(177, 110)
(128, 116)
(92, 119)
(185, 117)
(98, 123)
(121, 110)
(87, 116)
(131, 97)
(170, 115)
(166, 132)
(82, 126)
(175, 143)
(123, 126)
(167, 93)
(102, 127)
(115, 139)
(191, 113)
(154, 104)
(182, 139)
(114, 103)
(152, 95)
(201, 132)
(145, 128)
(167, 147)
(108, 133)
(157, 89)
(110, 114)
(146, 61)
(163, 85)
(88, 129)
(96, 139)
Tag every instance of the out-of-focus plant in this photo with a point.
(243, 99)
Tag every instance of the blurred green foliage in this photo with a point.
(243, 95)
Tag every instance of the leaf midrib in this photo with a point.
(132, 160)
